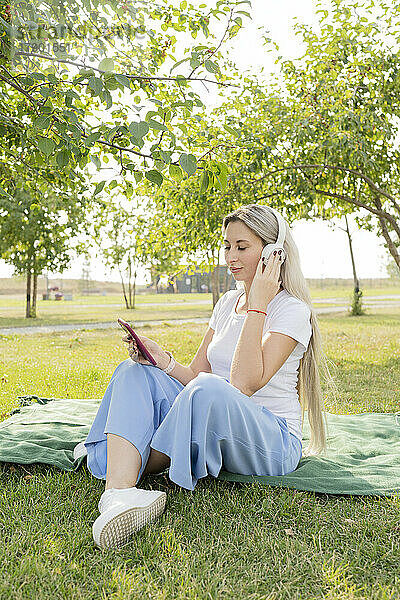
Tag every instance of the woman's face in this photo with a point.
(242, 250)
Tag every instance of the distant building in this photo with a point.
(200, 282)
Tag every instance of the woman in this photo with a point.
(236, 406)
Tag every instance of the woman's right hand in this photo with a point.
(160, 356)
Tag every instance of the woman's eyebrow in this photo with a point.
(238, 241)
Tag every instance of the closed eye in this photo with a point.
(226, 248)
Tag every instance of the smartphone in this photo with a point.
(141, 347)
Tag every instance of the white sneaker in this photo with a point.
(124, 511)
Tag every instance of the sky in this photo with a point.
(324, 250)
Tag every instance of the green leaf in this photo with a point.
(46, 145)
(139, 129)
(138, 176)
(96, 161)
(107, 97)
(179, 63)
(71, 116)
(42, 122)
(99, 187)
(188, 163)
(156, 125)
(123, 80)
(107, 64)
(175, 172)
(128, 189)
(204, 181)
(46, 92)
(166, 156)
(211, 67)
(62, 158)
(231, 130)
(154, 176)
(92, 138)
(137, 142)
(95, 84)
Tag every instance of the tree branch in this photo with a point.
(367, 179)
(378, 213)
(391, 245)
(139, 77)
(216, 49)
(17, 87)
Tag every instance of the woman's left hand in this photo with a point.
(266, 283)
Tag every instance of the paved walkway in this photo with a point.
(113, 325)
(203, 302)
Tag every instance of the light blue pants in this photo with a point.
(205, 426)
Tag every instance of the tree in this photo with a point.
(63, 63)
(392, 270)
(356, 308)
(321, 142)
(186, 221)
(119, 245)
(37, 237)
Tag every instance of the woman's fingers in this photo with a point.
(274, 264)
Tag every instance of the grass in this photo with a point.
(91, 309)
(225, 539)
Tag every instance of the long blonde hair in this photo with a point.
(262, 221)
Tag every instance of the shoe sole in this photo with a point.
(117, 531)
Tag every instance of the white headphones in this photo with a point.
(269, 248)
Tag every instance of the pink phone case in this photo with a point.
(141, 347)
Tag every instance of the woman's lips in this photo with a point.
(235, 270)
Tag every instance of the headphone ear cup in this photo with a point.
(269, 249)
(266, 253)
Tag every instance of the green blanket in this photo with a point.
(363, 455)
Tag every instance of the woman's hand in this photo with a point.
(160, 356)
(266, 283)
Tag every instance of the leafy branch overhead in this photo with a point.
(87, 82)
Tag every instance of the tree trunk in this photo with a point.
(355, 278)
(390, 243)
(215, 284)
(28, 294)
(356, 306)
(226, 282)
(134, 290)
(34, 295)
(123, 287)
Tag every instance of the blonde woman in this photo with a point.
(239, 405)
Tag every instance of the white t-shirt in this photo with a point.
(285, 314)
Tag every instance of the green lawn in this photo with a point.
(91, 309)
(225, 539)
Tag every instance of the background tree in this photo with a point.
(37, 237)
(321, 141)
(117, 233)
(186, 221)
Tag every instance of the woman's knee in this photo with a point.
(207, 388)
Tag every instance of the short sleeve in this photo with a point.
(293, 320)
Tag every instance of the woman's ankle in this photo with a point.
(118, 486)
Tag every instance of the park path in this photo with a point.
(207, 301)
(113, 325)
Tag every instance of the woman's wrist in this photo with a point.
(169, 363)
(257, 306)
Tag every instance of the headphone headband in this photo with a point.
(281, 227)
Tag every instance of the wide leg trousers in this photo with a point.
(205, 426)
